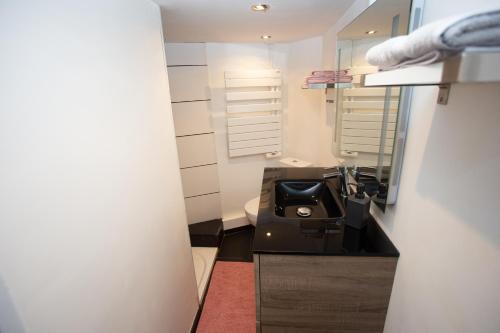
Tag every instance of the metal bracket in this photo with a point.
(444, 92)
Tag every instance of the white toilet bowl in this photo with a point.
(251, 210)
(252, 206)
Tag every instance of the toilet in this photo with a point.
(252, 206)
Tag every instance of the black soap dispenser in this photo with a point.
(358, 208)
(381, 196)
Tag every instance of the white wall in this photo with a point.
(241, 178)
(309, 121)
(93, 234)
(303, 106)
(330, 36)
(445, 222)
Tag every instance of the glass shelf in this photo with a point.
(327, 85)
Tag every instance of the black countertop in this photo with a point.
(274, 234)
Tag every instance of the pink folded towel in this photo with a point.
(330, 73)
(331, 79)
(328, 76)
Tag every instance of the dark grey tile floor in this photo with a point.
(237, 245)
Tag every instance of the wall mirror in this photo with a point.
(371, 122)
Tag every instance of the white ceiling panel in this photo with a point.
(234, 21)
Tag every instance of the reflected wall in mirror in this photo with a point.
(366, 118)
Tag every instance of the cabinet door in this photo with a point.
(324, 293)
(203, 208)
(200, 180)
(182, 54)
(191, 118)
(196, 150)
(188, 83)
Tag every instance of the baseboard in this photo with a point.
(235, 222)
(196, 319)
(238, 229)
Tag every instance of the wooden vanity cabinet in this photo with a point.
(334, 294)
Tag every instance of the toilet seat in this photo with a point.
(252, 209)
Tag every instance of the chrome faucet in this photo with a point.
(333, 174)
(343, 174)
(356, 173)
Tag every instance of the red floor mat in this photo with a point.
(230, 301)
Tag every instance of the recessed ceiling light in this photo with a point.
(371, 32)
(260, 7)
(265, 36)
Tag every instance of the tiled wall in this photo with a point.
(188, 76)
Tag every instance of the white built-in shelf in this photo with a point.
(326, 85)
(474, 65)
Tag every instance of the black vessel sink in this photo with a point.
(307, 199)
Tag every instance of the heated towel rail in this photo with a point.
(362, 120)
(253, 112)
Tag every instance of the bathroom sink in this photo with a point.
(307, 199)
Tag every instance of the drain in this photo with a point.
(304, 211)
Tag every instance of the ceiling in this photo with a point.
(234, 21)
(378, 17)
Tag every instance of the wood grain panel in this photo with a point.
(299, 329)
(324, 293)
(257, 289)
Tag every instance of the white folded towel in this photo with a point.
(435, 41)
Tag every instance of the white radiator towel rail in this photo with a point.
(361, 119)
(253, 112)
